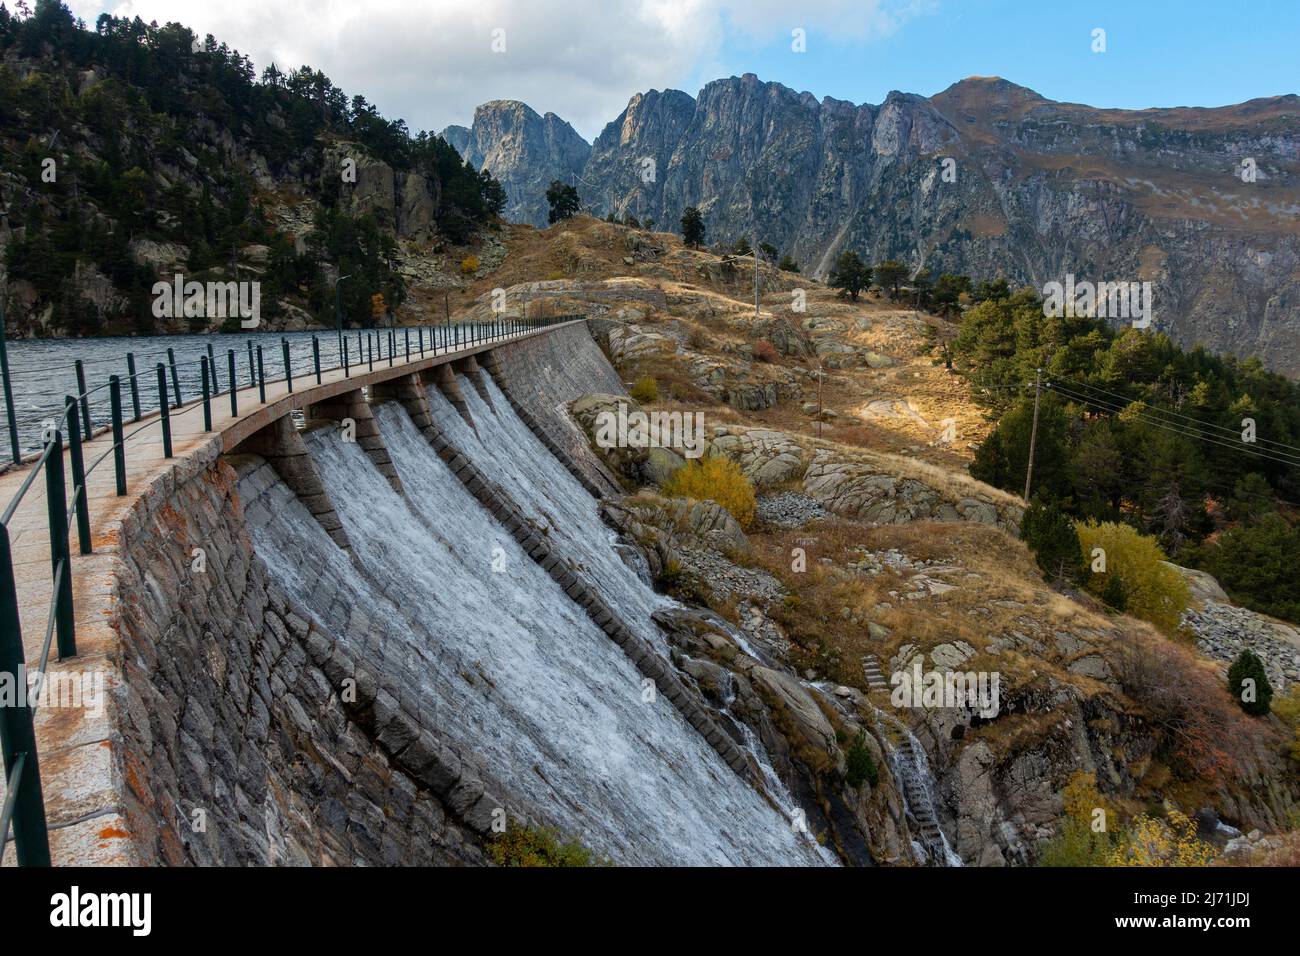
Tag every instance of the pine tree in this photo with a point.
(1248, 683)
(692, 227)
(850, 275)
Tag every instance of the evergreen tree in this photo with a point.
(1050, 534)
(1248, 684)
(889, 274)
(850, 275)
(692, 227)
(563, 201)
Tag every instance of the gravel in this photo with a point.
(790, 509)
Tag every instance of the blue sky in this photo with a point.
(1159, 52)
(432, 61)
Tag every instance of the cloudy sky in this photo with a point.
(432, 61)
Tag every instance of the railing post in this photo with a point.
(17, 733)
(252, 369)
(420, 333)
(207, 403)
(61, 599)
(80, 495)
(16, 448)
(288, 368)
(370, 351)
(119, 449)
(261, 376)
(392, 347)
(234, 400)
(407, 334)
(83, 397)
(164, 412)
(212, 367)
(135, 385)
(176, 382)
(347, 371)
(315, 354)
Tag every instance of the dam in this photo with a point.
(371, 619)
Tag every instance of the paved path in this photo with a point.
(75, 744)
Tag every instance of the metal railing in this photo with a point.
(24, 805)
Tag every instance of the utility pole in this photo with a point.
(1033, 432)
(820, 408)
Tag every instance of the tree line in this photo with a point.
(165, 116)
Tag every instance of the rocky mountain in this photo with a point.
(526, 151)
(1203, 203)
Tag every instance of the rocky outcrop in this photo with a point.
(1036, 189)
(872, 493)
(404, 203)
(524, 151)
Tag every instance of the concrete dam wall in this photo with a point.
(374, 638)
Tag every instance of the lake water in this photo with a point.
(43, 371)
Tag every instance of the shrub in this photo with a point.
(1078, 840)
(716, 479)
(532, 846)
(765, 351)
(1146, 841)
(469, 265)
(677, 583)
(1112, 594)
(1255, 696)
(1050, 534)
(1149, 841)
(1288, 708)
(860, 767)
(1202, 734)
(1153, 590)
(646, 390)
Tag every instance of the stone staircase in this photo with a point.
(914, 790)
(875, 678)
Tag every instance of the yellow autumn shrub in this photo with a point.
(646, 390)
(469, 265)
(715, 479)
(1287, 706)
(1152, 589)
(1150, 841)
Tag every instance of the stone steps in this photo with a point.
(875, 677)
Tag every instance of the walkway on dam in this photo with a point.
(74, 743)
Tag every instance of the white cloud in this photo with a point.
(431, 62)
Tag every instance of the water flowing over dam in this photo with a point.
(380, 618)
(442, 599)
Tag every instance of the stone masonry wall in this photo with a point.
(540, 377)
(248, 735)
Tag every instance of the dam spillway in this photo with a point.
(365, 665)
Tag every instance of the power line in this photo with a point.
(1293, 462)
(1165, 411)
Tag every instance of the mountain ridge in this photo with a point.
(1041, 188)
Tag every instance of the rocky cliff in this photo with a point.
(1036, 189)
(525, 151)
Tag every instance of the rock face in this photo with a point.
(524, 151)
(1037, 189)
